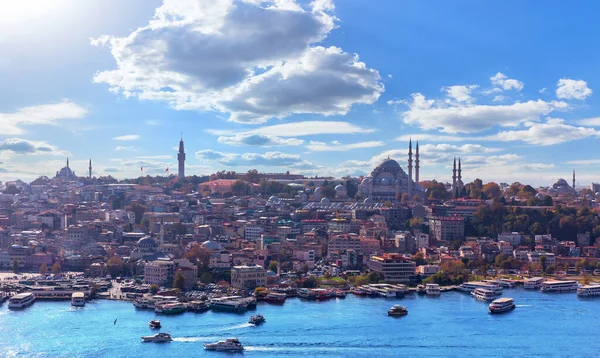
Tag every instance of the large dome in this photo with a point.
(146, 242)
(212, 246)
(389, 163)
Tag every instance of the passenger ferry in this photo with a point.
(78, 299)
(397, 310)
(471, 286)
(432, 289)
(502, 305)
(144, 303)
(228, 304)
(589, 290)
(198, 306)
(421, 290)
(307, 294)
(170, 308)
(21, 300)
(273, 297)
(559, 286)
(483, 294)
(533, 283)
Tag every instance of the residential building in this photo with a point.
(447, 228)
(248, 277)
(394, 268)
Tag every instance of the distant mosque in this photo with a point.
(66, 173)
(388, 181)
(457, 183)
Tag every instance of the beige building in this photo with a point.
(248, 277)
(159, 272)
(393, 267)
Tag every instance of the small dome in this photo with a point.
(273, 198)
(368, 201)
(212, 246)
(339, 187)
(308, 191)
(318, 190)
(324, 201)
(366, 181)
(146, 242)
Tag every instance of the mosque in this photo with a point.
(66, 173)
(388, 181)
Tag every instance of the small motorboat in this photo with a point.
(158, 338)
(155, 324)
(257, 319)
(230, 345)
(398, 310)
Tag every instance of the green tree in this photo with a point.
(351, 188)
(43, 269)
(543, 260)
(56, 268)
(272, 266)
(179, 281)
(419, 259)
(139, 210)
(240, 188)
(311, 282)
(115, 266)
(206, 278)
(154, 288)
(491, 190)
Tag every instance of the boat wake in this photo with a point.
(237, 326)
(263, 349)
(194, 339)
(523, 305)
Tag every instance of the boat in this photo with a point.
(273, 297)
(432, 289)
(322, 294)
(340, 293)
(198, 306)
(358, 291)
(257, 319)
(21, 300)
(78, 299)
(421, 290)
(397, 310)
(589, 290)
(307, 294)
(559, 286)
(507, 282)
(471, 286)
(144, 303)
(170, 308)
(155, 324)
(483, 294)
(228, 304)
(500, 305)
(230, 345)
(158, 338)
(533, 283)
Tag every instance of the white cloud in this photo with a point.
(572, 89)
(584, 162)
(553, 131)
(251, 160)
(460, 118)
(121, 148)
(459, 93)
(538, 166)
(48, 114)
(594, 122)
(152, 122)
(543, 90)
(299, 129)
(337, 147)
(449, 148)
(424, 137)
(500, 79)
(154, 157)
(498, 98)
(255, 60)
(24, 146)
(127, 137)
(259, 139)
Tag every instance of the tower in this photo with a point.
(90, 168)
(410, 166)
(67, 162)
(574, 190)
(459, 173)
(417, 165)
(181, 159)
(454, 175)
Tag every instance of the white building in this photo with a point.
(422, 240)
(536, 256)
(252, 232)
(514, 238)
(159, 272)
(248, 277)
(466, 252)
(393, 267)
(505, 247)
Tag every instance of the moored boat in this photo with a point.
(340, 293)
(592, 290)
(78, 299)
(432, 289)
(559, 286)
(170, 308)
(229, 345)
(228, 304)
(500, 305)
(273, 297)
(533, 283)
(158, 338)
(21, 300)
(483, 294)
(421, 290)
(307, 294)
(198, 306)
(397, 310)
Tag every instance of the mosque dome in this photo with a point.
(273, 199)
(389, 163)
(146, 242)
(368, 201)
(366, 180)
(324, 201)
(212, 246)
(308, 190)
(386, 181)
(340, 188)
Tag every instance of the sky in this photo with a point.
(313, 87)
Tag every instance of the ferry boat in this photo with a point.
(500, 305)
(170, 308)
(307, 294)
(154, 324)
(21, 300)
(257, 319)
(78, 299)
(507, 282)
(589, 290)
(158, 338)
(559, 286)
(340, 293)
(483, 294)
(471, 286)
(397, 310)
(421, 290)
(228, 304)
(358, 291)
(144, 303)
(198, 306)
(229, 345)
(533, 283)
(273, 297)
(432, 289)
(322, 294)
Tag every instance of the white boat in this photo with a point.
(21, 300)
(158, 338)
(533, 283)
(144, 303)
(78, 299)
(589, 290)
(559, 286)
(502, 305)
(507, 282)
(483, 294)
(432, 289)
(471, 286)
(230, 345)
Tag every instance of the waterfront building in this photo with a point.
(536, 256)
(394, 268)
(427, 270)
(248, 277)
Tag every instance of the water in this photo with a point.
(452, 325)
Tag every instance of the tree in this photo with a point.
(115, 266)
(543, 260)
(11, 189)
(206, 278)
(437, 191)
(311, 282)
(15, 266)
(56, 268)
(351, 188)
(492, 190)
(328, 192)
(198, 255)
(179, 281)
(139, 210)
(43, 269)
(252, 176)
(240, 188)
(405, 198)
(419, 259)
(154, 288)
(272, 266)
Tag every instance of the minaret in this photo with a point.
(459, 174)
(417, 165)
(574, 191)
(181, 159)
(67, 162)
(90, 168)
(454, 175)
(410, 166)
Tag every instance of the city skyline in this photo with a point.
(352, 85)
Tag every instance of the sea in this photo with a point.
(452, 325)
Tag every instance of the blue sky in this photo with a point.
(323, 87)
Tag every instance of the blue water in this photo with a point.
(452, 325)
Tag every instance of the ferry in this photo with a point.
(307, 294)
(257, 319)
(228, 304)
(483, 294)
(432, 289)
(340, 293)
(170, 308)
(229, 345)
(144, 303)
(198, 306)
(273, 297)
(502, 305)
(21, 300)
(589, 290)
(158, 338)
(471, 286)
(559, 286)
(78, 299)
(507, 282)
(322, 294)
(397, 310)
(533, 283)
